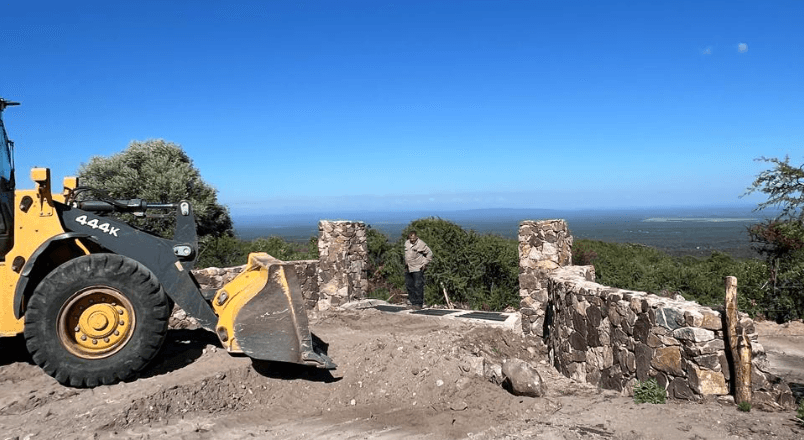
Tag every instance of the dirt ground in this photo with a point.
(399, 376)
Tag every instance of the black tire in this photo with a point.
(97, 319)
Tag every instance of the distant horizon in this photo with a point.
(250, 219)
(695, 231)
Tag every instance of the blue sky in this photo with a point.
(301, 106)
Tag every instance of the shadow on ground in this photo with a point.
(14, 350)
(181, 348)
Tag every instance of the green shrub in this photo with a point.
(638, 267)
(800, 410)
(229, 251)
(380, 293)
(649, 391)
(744, 406)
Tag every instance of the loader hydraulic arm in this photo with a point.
(185, 232)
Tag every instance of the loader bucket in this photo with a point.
(261, 314)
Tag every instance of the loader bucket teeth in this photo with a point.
(262, 314)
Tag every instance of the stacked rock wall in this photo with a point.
(342, 263)
(543, 247)
(613, 337)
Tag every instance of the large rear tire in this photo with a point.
(97, 319)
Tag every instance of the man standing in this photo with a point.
(417, 256)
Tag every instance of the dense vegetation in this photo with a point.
(158, 172)
(476, 271)
(642, 268)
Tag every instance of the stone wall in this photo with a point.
(543, 247)
(613, 337)
(342, 263)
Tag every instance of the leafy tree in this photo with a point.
(479, 271)
(158, 172)
(784, 185)
(781, 240)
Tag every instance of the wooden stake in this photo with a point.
(731, 315)
(449, 303)
(742, 392)
(740, 349)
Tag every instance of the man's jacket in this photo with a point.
(417, 255)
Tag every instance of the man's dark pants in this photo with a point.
(414, 282)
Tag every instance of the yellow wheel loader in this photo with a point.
(92, 294)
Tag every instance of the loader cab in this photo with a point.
(7, 186)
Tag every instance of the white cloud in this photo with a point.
(742, 48)
(707, 51)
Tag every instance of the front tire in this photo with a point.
(97, 319)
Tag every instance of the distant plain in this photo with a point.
(696, 231)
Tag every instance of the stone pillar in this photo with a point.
(543, 247)
(342, 262)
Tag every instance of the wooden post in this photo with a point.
(740, 351)
(743, 370)
(449, 303)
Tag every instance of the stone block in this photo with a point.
(669, 318)
(580, 307)
(642, 328)
(711, 321)
(667, 340)
(577, 356)
(693, 318)
(614, 316)
(668, 359)
(592, 336)
(577, 371)
(707, 382)
(522, 379)
(654, 341)
(643, 354)
(679, 388)
(578, 341)
(693, 334)
(638, 304)
(708, 361)
(611, 378)
(537, 327)
(593, 315)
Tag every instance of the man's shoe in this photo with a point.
(416, 307)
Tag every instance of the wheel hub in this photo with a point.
(96, 322)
